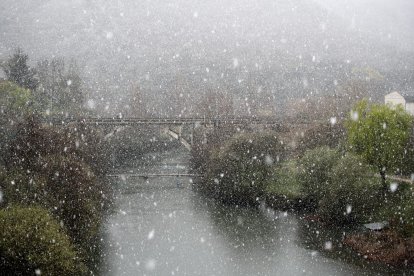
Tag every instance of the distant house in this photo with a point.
(395, 98)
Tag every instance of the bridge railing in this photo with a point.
(177, 120)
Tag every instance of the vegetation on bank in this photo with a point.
(53, 199)
(32, 240)
(341, 183)
(237, 172)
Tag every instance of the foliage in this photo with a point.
(18, 71)
(322, 135)
(68, 189)
(20, 187)
(402, 213)
(59, 86)
(48, 166)
(343, 189)
(284, 181)
(205, 143)
(314, 172)
(14, 107)
(398, 208)
(77, 197)
(353, 193)
(282, 188)
(380, 134)
(14, 100)
(30, 239)
(77, 141)
(236, 173)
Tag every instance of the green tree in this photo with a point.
(353, 193)
(32, 240)
(18, 71)
(314, 172)
(14, 107)
(236, 173)
(381, 134)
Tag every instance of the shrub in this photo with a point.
(314, 172)
(14, 101)
(320, 135)
(67, 188)
(20, 187)
(30, 239)
(403, 214)
(236, 172)
(354, 192)
(70, 191)
(284, 181)
(49, 166)
(14, 107)
(205, 143)
(76, 141)
(282, 188)
(398, 208)
(76, 196)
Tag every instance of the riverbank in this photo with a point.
(53, 200)
(159, 228)
(386, 246)
(332, 187)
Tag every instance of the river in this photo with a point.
(162, 227)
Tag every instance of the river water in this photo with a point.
(162, 227)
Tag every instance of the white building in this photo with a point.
(395, 98)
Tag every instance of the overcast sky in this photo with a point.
(120, 42)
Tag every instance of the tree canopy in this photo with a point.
(18, 71)
(381, 134)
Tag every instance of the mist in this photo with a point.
(175, 53)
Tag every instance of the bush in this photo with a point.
(205, 143)
(284, 181)
(76, 196)
(320, 135)
(398, 208)
(30, 240)
(14, 107)
(354, 192)
(19, 187)
(402, 214)
(282, 188)
(314, 172)
(236, 173)
(78, 141)
(67, 188)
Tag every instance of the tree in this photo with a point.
(18, 71)
(14, 107)
(59, 86)
(32, 240)
(353, 193)
(237, 172)
(381, 134)
(314, 169)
